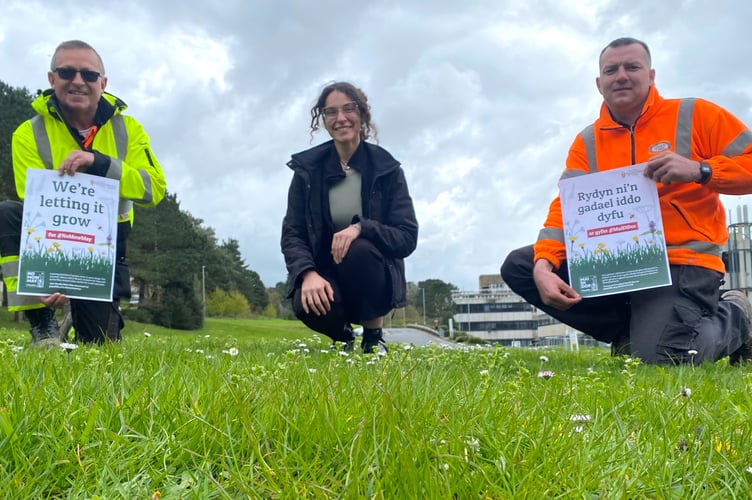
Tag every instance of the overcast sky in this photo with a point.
(479, 100)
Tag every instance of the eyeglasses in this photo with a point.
(350, 108)
(70, 74)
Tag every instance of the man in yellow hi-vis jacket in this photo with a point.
(79, 128)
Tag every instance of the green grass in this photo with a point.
(248, 329)
(176, 413)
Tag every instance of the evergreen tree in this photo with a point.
(179, 308)
(169, 249)
(279, 302)
(438, 300)
(243, 279)
(166, 251)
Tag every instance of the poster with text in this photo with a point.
(613, 231)
(68, 235)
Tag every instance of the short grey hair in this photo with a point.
(75, 44)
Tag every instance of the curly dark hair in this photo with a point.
(367, 129)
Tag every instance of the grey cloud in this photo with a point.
(505, 86)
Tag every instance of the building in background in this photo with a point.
(738, 257)
(497, 314)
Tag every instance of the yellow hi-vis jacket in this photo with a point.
(121, 151)
(120, 145)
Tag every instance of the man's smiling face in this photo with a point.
(77, 97)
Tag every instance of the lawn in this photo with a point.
(264, 409)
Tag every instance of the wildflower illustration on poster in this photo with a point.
(69, 230)
(613, 231)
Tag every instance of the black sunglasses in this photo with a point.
(70, 74)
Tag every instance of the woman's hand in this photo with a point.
(316, 294)
(342, 240)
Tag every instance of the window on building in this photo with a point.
(498, 326)
(494, 307)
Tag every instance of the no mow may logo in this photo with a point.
(35, 279)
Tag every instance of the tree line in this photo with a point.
(181, 272)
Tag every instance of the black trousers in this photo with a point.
(362, 292)
(662, 324)
(94, 321)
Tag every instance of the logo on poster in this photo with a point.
(35, 279)
(589, 283)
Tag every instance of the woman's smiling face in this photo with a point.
(342, 118)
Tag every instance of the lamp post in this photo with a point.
(423, 292)
(203, 289)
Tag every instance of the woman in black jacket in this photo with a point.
(349, 223)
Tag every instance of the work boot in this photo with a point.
(45, 332)
(744, 353)
(373, 342)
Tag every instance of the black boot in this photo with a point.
(45, 332)
(373, 342)
(742, 355)
(347, 340)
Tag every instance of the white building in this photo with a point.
(497, 314)
(738, 257)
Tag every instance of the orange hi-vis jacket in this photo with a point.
(694, 219)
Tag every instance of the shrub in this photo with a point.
(224, 304)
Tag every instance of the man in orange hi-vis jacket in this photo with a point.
(695, 151)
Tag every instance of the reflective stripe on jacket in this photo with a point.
(120, 144)
(693, 216)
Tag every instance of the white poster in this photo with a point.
(613, 231)
(68, 235)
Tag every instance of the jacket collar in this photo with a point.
(47, 104)
(324, 154)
